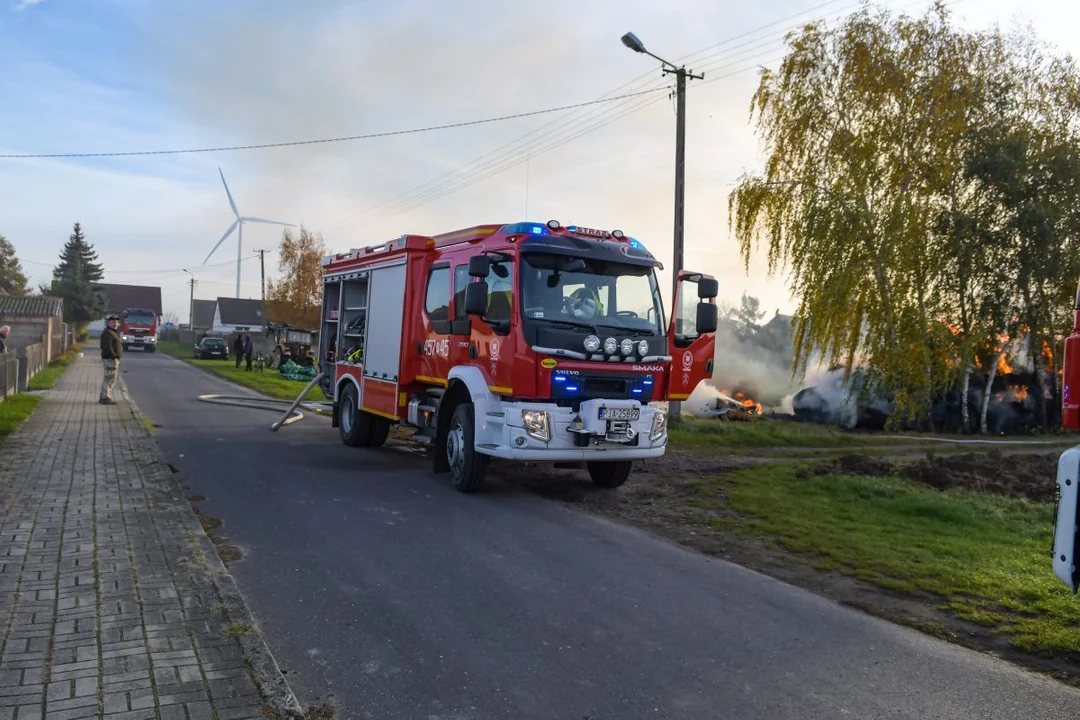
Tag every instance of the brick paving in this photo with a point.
(111, 600)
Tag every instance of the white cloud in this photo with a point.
(23, 4)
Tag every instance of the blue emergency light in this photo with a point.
(526, 228)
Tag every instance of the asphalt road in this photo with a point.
(375, 582)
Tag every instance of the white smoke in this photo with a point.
(759, 366)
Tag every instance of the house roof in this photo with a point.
(203, 311)
(39, 305)
(238, 311)
(119, 297)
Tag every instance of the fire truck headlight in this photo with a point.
(592, 344)
(659, 425)
(643, 348)
(627, 346)
(611, 346)
(536, 424)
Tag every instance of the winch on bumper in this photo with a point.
(599, 430)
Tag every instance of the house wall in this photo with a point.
(25, 330)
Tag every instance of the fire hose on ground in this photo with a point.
(291, 415)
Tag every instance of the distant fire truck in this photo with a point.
(526, 341)
(138, 328)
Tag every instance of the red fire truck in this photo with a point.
(524, 341)
(1066, 535)
(138, 328)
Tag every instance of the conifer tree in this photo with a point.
(76, 278)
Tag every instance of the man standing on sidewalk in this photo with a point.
(111, 350)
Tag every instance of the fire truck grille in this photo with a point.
(139, 331)
(572, 389)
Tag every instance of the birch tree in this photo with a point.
(859, 123)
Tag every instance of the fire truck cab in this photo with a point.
(138, 328)
(522, 341)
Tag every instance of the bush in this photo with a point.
(75, 348)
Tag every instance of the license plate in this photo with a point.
(632, 413)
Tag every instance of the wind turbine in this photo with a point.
(239, 221)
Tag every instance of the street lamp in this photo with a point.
(631, 41)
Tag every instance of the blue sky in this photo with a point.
(122, 75)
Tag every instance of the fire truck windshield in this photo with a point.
(559, 288)
(138, 318)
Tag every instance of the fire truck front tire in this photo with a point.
(610, 474)
(467, 467)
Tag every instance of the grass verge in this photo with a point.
(986, 555)
(269, 382)
(14, 410)
(50, 374)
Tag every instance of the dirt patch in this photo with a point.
(322, 711)
(1029, 475)
(228, 552)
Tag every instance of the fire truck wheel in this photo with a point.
(610, 474)
(467, 467)
(380, 429)
(353, 425)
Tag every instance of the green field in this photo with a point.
(986, 555)
(269, 382)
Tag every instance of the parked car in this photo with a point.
(210, 347)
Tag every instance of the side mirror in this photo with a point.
(479, 266)
(708, 288)
(476, 297)
(708, 318)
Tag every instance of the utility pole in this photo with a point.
(191, 306)
(681, 74)
(262, 274)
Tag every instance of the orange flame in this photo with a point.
(1003, 366)
(751, 406)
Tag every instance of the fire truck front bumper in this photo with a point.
(600, 430)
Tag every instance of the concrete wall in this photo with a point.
(9, 375)
(51, 332)
(31, 361)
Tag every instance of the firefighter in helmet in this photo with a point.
(584, 303)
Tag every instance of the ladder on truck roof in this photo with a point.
(408, 242)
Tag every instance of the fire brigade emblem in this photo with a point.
(687, 360)
(494, 349)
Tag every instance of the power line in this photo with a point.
(718, 61)
(514, 152)
(156, 272)
(368, 136)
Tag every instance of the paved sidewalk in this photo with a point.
(112, 600)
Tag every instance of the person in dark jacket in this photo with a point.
(111, 350)
(238, 349)
(249, 349)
